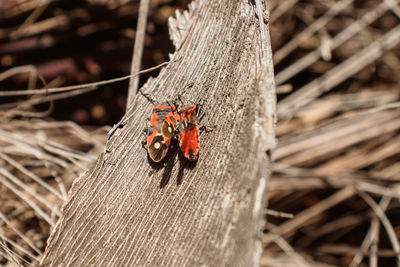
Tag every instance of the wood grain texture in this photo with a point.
(128, 211)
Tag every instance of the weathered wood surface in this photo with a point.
(127, 211)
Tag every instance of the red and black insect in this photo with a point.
(161, 130)
(166, 123)
(189, 132)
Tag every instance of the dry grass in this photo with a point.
(334, 195)
(39, 160)
(337, 163)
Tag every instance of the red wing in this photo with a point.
(189, 143)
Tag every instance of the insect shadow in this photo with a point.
(168, 163)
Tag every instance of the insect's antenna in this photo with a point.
(176, 101)
(147, 96)
(180, 97)
(169, 103)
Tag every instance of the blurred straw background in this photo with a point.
(334, 194)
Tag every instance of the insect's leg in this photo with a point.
(205, 129)
(145, 133)
(200, 112)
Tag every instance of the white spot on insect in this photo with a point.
(157, 145)
(169, 129)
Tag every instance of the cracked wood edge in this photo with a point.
(128, 211)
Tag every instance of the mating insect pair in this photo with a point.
(166, 122)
